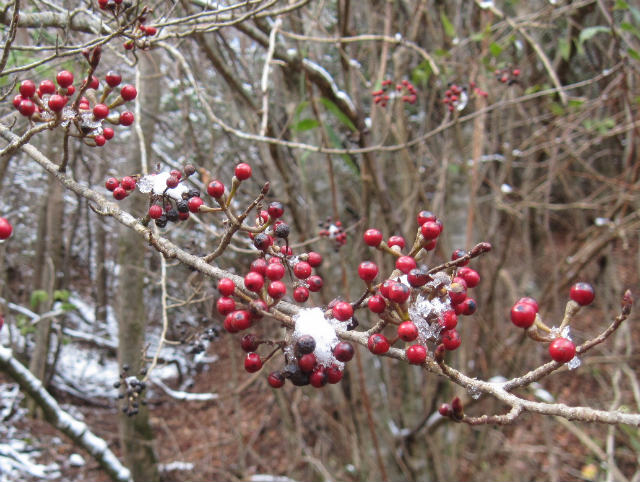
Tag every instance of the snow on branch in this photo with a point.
(74, 429)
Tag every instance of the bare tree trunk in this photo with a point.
(136, 435)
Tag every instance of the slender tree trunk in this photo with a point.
(136, 435)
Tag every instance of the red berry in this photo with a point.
(57, 102)
(183, 216)
(225, 305)
(128, 92)
(128, 45)
(424, 216)
(150, 31)
(175, 173)
(416, 354)
(108, 133)
(249, 342)
(457, 293)
(516, 72)
(582, 293)
(407, 331)
(334, 374)
(417, 277)
(342, 311)
(523, 315)
(399, 292)
(367, 271)
(100, 111)
(471, 276)
(275, 210)
(468, 307)
(111, 183)
(5, 228)
(396, 241)
(155, 211)
(378, 344)
(226, 286)
(17, 99)
(128, 182)
(430, 230)
(26, 107)
(93, 82)
(529, 301)
(318, 378)
(448, 320)
(215, 189)
(315, 283)
(277, 289)
(172, 182)
(47, 87)
(252, 362)
(64, 78)
(307, 362)
(384, 287)
(405, 264)
(562, 350)
(241, 319)
(126, 118)
(27, 88)
(229, 325)
(431, 245)
(253, 281)
(314, 259)
(276, 379)
(451, 339)
(343, 351)
(445, 410)
(457, 254)
(119, 193)
(302, 270)
(376, 304)
(243, 171)
(259, 265)
(372, 237)
(194, 204)
(113, 79)
(301, 294)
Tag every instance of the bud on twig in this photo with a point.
(627, 302)
(479, 249)
(458, 411)
(439, 354)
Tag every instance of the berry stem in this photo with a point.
(570, 311)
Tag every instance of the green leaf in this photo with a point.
(633, 54)
(335, 141)
(564, 47)
(556, 109)
(628, 27)
(61, 295)
(299, 108)
(335, 110)
(447, 25)
(305, 125)
(495, 49)
(575, 102)
(621, 5)
(68, 306)
(420, 75)
(37, 297)
(590, 32)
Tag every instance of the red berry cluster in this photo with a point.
(524, 314)
(5, 229)
(423, 306)
(409, 94)
(334, 231)
(478, 91)
(139, 33)
(507, 76)
(455, 97)
(121, 187)
(48, 103)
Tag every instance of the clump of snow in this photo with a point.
(574, 363)
(76, 460)
(157, 184)
(311, 321)
(424, 310)
(176, 465)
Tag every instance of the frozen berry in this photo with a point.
(562, 350)
(276, 379)
(277, 289)
(225, 305)
(334, 374)
(457, 293)
(430, 230)
(64, 78)
(113, 79)
(343, 351)
(259, 265)
(305, 344)
(367, 271)
(57, 102)
(307, 362)
(399, 292)
(194, 204)
(405, 264)
(376, 304)
(172, 181)
(112, 183)
(27, 88)
(226, 286)
(468, 306)
(314, 259)
(155, 211)
(215, 189)
(529, 301)
(119, 193)
(582, 293)
(253, 281)
(451, 339)
(240, 319)
(47, 87)
(243, 171)
(417, 277)
(275, 271)
(448, 320)
(26, 107)
(302, 270)
(301, 294)
(424, 216)
(128, 182)
(471, 276)
(459, 253)
(319, 377)
(315, 283)
(100, 111)
(128, 92)
(262, 241)
(276, 209)
(126, 118)
(396, 241)
(108, 133)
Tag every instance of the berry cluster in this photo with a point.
(524, 314)
(455, 97)
(130, 390)
(406, 88)
(507, 76)
(48, 103)
(5, 229)
(423, 305)
(334, 231)
(121, 187)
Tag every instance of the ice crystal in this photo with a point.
(157, 184)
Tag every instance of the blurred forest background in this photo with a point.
(544, 167)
